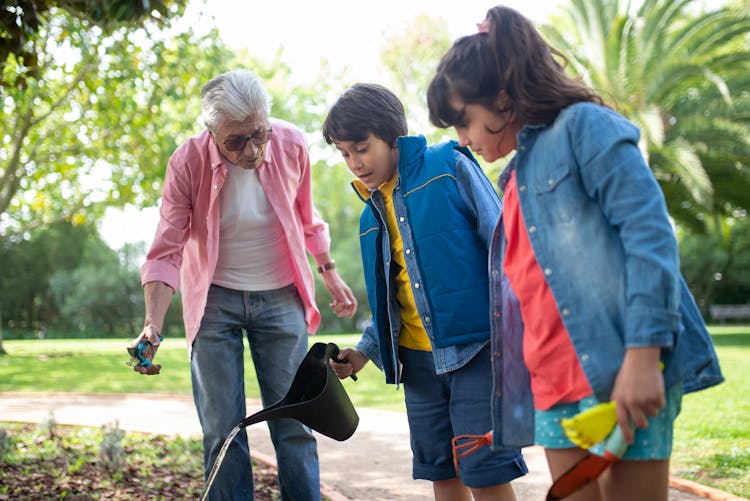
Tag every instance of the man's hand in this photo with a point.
(344, 303)
(151, 334)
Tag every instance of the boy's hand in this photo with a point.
(355, 361)
(151, 334)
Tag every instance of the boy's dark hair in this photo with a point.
(512, 57)
(362, 109)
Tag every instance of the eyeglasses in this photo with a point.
(238, 143)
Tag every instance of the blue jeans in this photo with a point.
(277, 334)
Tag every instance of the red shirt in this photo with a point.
(556, 373)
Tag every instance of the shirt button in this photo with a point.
(416, 285)
(584, 357)
(522, 148)
(407, 251)
(532, 229)
(565, 312)
(427, 320)
(495, 273)
(498, 393)
(547, 271)
(216, 186)
(497, 314)
(401, 219)
(550, 182)
(522, 187)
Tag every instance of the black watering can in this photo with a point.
(316, 399)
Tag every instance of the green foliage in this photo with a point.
(97, 125)
(101, 293)
(340, 207)
(66, 276)
(29, 264)
(22, 20)
(682, 77)
(411, 59)
(716, 264)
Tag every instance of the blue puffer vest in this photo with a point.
(452, 296)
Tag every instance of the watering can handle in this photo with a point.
(335, 356)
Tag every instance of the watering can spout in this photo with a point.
(316, 398)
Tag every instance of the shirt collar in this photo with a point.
(366, 193)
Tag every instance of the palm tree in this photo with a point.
(682, 75)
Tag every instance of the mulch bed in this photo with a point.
(71, 479)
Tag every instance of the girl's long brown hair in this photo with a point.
(511, 57)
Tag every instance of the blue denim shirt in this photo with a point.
(483, 203)
(599, 227)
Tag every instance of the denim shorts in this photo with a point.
(440, 407)
(653, 442)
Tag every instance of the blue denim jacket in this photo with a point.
(599, 227)
(482, 203)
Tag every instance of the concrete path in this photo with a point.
(374, 464)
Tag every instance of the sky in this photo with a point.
(346, 32)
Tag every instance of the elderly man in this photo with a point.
(236, 217)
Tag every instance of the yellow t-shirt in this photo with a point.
(413, 335)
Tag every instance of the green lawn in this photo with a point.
(99, 366)
(712, 433)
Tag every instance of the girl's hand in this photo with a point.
(639, 389)
(355, 361)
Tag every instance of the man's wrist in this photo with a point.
(152, 326)
(330, 265)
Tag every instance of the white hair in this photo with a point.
(235, 95)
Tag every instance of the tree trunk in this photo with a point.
(2, 350)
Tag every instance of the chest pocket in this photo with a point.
(552, 178)
(559, 193)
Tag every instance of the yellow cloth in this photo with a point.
(413, 335)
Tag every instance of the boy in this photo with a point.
(424, 235)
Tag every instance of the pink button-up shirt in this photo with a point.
(186, 246)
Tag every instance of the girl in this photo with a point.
(585, 281)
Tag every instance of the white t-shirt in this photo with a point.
(253, 253)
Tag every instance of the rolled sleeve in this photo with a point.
(160, 271)
(650, 327)
(368, 344)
